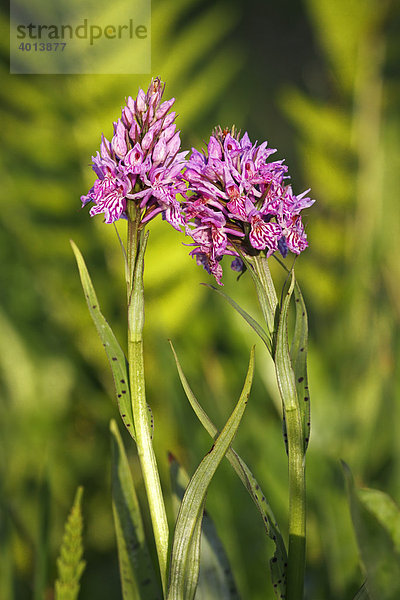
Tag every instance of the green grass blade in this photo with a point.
(70, 564)
(278, 562)
(137, 574)
(298, 354)
(115, 354)
(374, 533)
(216, 581)
(248, 318)
(191, 509)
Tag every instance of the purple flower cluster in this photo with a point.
(239, 200)
(234, 198)
(142, 162)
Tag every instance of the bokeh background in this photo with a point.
(320, 80)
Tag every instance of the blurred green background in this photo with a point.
(320, 80)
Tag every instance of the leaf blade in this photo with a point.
(114, 352)
(298, 354)
(216, 581)
(260, 331)
(190, 511)
(278, 562)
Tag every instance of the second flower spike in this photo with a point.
(240, 200)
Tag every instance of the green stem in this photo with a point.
(297, 505)
(294, 429)
(141, 417)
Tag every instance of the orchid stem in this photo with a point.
(295, 444)
(297, 506)
(135, 255)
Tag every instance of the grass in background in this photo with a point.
(319, 81)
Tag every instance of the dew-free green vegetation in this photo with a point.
(320, 81)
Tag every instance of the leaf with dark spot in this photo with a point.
(115, 354)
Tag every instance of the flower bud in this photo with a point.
(118, 143)
(174, 144)
(147, 140)
(164, 108)
(140, 102)
(160, 151)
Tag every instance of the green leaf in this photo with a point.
(266, 293)
(115, 354)
(216, 581)
(137, 575)
(248, 318)
(283, 363)
(193, 559)
(375, 538)
(278, 562)
(298, 354)
(70, 564)
(184, 565)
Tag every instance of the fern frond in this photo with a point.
(70, 564)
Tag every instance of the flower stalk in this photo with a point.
(276, 321)
(297, 505)
(135, 256)
(294, 440)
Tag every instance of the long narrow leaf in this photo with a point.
(266, 293)
(193, 559)
(283, 364)
(278, 562)
(137, 575)
(216, 581)
(192, 504)
(298, 354)
(115, 354)
(248, 318)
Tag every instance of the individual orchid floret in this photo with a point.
(239, 203)
(142, 163)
